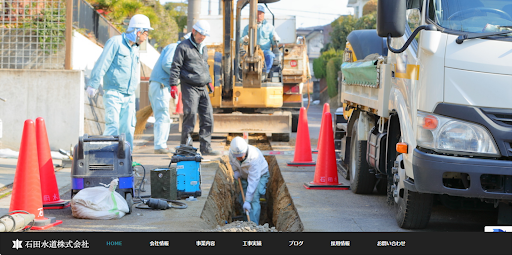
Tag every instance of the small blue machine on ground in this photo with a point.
(188, 175)
(100, 159)
(188, 170)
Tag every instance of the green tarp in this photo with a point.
(360, 73)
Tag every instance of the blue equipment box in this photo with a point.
(188, 175)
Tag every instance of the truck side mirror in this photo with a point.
(391, 18)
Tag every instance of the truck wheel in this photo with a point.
(361, 180)
(413, 209)
(382, 186)
(129, 201)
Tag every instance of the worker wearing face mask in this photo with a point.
(117, 66)
(250, 166)
(267, 37)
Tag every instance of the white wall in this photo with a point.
(55, 95)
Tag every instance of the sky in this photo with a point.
(308, 13)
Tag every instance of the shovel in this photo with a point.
(243, 198)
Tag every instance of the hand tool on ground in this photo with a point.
(243, 198)
(63, 152)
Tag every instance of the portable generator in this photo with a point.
(183, 181)
(188, 175)
(100, 159)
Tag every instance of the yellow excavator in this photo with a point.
(244, 100)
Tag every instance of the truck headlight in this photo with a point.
(445, 134)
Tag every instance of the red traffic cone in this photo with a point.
(26, 190)
(326, 171)
(327, 108)
(179, 105)
(302, 154)
(49, 188)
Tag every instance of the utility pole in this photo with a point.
(194, 10)
(209, 7)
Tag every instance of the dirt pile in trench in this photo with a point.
(243, 226)
(259, 141)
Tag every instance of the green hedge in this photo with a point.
(319, 68)
(332, 68)
(320, 64)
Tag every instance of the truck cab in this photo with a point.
(439, 123)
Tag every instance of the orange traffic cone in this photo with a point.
(326, 171)
(49, 188)
(26, 190)
(302, 154)
(179, 105)
(327, 108)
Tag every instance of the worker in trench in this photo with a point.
(266, 37)
(190, 68)
(117, 66)
(250, 166)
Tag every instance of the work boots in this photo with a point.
(211, 153)
(162, 151)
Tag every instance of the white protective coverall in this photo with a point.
(254, 176)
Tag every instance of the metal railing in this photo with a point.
(32, 34)
(86, 17)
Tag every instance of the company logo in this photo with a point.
(498, 229)
(16, 244)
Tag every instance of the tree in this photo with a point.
(166, 31)
(119, 12)
(370, 7)
(341, 27)
(178, 11)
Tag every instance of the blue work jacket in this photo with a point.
(265, 35)
(117, 65)
(162, 68)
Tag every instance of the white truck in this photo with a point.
(430, 115)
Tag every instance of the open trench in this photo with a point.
(222, 209)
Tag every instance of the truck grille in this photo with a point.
(94, 167)
(500, 116)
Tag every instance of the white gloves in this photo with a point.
(246, 38)
(247, 206)
(91, 91)
(236, 175)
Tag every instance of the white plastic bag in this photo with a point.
(99, 203)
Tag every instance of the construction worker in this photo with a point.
(267, 37)
(159, 97)
(250, 166)
(117, 66)
(190, 67)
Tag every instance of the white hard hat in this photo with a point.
(140, 21)
(203, 27)
(238, 147)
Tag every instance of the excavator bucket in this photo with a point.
(275, 123)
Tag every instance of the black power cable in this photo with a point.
(156, 203)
